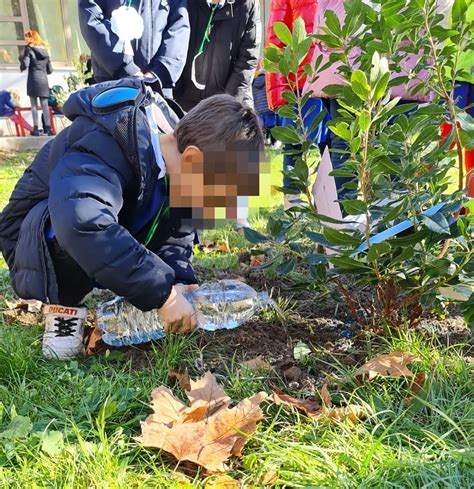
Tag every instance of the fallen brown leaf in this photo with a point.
(416, 386)
(208, 431)
(93, 344)
(392, 365)
(256, 260)
(29, 305)
(181, 377)
(269, 478)
(325, 396)
(353, 412)
(311, 408)
(257, 363)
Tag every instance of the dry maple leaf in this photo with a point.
(392, 365)
(207, 432)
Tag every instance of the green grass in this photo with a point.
(97, 404)
(94, 407)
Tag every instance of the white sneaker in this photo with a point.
(63, 332)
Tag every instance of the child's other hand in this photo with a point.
(178, 314)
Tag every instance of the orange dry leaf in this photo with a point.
(207, 432)
(311, 408)
(353, 412)
(256, 260)
(392, 365)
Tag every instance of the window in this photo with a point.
(56, 21)
(13, 23)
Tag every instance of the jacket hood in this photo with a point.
(41, 53)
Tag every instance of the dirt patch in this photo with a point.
(323, 324)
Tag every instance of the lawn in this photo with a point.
(72, 424)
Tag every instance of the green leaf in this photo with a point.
(316, 259)
(333, 90)
(354, 207)
(387, 166)
(289, 97)
(303, 49)
(355, 145)
(459, 292)
(286, 266)
(332, 23)
(282, 33)
(284, 67)
(360, 85)
(301, 350)
(254, 236)
(340, 238)
(347, 262)
(436, 223)
(317, 238)
(364, 120)
(19, 427)
(381, 87)
(376, 250)
(273, 54)
(458, 11)
(467, 139)
(340, 129)
(299, 32)
(285, 134)
(52, 443)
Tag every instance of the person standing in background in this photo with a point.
(287, 11)
(222, 58)
(36, 60)
(136, 38)
(223, 51)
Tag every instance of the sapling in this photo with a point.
(399, 169)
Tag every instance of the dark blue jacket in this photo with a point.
(162, 49)
(7, 107)
(94, 182)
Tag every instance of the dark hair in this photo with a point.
(217, 123)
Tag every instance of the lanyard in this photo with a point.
(157, 219)
(207, 32)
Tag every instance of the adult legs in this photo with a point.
(45, 109)
(34, 115)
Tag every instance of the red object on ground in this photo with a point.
(21, 122)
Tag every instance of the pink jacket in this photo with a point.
(331, 76)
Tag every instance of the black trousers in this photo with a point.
(73, 282)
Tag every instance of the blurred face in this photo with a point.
(206, 180)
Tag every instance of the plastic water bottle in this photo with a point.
(225, 304)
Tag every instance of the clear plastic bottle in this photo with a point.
(224, 304)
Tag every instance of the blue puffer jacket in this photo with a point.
(162, 48)
(94, 182)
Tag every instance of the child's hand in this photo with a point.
(178, 314)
